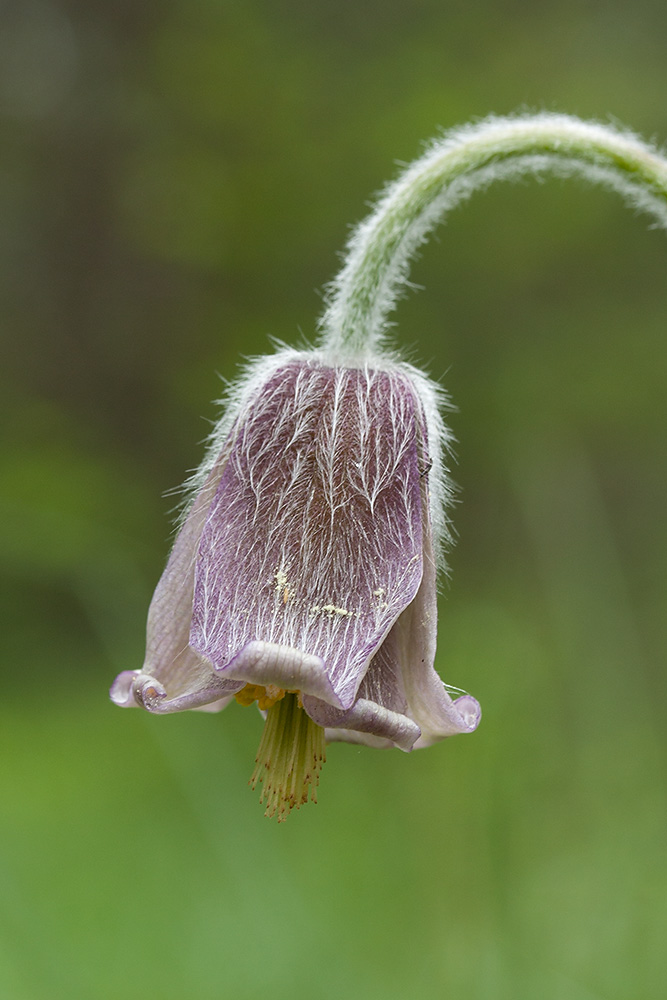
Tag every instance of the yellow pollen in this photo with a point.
(289, 758)
(265, 697)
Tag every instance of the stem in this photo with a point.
(354, 323)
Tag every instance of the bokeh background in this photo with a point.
(176, 180)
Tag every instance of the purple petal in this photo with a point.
(179, 675)
(134, 687)
(414, 639)
(121, 692)
(265, 663)
(313, 541)
(365, 718)
(379, 717)
(401, 700)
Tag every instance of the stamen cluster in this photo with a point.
(289, 759)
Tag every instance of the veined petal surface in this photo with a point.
(313, 540)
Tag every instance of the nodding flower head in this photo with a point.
(303, 576)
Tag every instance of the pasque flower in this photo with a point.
(303, 576)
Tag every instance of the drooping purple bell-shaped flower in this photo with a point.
(303, 575)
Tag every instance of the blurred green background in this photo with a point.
(176, 181)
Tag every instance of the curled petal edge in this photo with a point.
(132, 688)
(366, 722)
(448, 718)
(268, 663)
(120, 691)
(362, 739)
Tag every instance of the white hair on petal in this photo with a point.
(237, 405)
(365, 291)
(317, 536)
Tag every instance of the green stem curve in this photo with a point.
(354, 324)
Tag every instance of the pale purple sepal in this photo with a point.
(313, 540)
(412, 646)
(134, 687)
(367, 719)
(174, 676)
(306, 562)
(401, 683)
(121, 692)
(266, 663)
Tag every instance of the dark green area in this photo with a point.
(176, 180)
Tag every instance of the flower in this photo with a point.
(303, 576)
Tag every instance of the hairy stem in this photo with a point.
(365, 291)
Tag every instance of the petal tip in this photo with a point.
(132, 688)
(148, 693)
(261, 662)
(121, 692)
(470, 712)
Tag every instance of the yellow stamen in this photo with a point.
(265, 697)
(289, 758)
